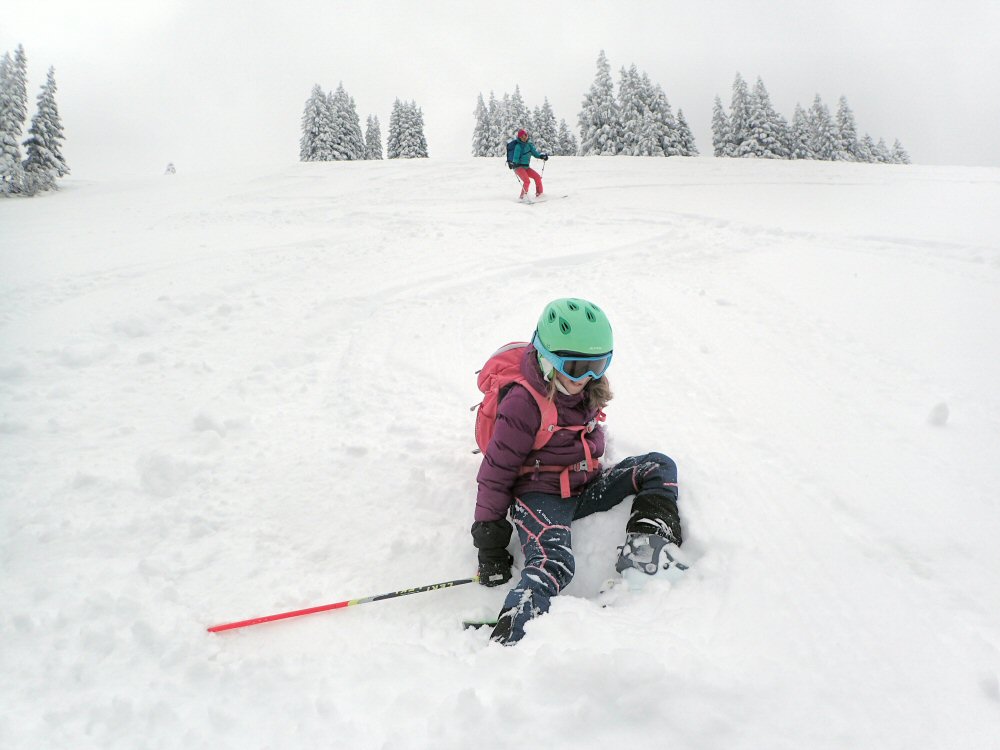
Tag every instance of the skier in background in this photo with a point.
(519, 159)
(544, 490)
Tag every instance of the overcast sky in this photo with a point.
(206, 83)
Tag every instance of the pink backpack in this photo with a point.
(500, 372)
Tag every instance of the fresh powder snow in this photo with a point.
(227, 396)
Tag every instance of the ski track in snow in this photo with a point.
(223, 397)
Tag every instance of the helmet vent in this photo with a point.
(572, 305)
(564, 326)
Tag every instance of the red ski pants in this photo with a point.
(523, 174)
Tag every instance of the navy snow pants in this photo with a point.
(543, 526)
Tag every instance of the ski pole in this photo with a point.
(339, 605)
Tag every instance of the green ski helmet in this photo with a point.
(572, 326)
(575, 325)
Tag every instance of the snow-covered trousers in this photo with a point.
(523, 173)
(543, 526)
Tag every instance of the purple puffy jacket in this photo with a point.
(518, 420)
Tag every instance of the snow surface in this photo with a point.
(229, 396)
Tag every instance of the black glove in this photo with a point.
(495, 572)
(510, 165)
(491, 538)
(544, 157)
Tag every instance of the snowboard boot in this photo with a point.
(646, 555)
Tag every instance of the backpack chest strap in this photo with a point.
(587, 465)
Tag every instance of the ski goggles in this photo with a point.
(575, 366)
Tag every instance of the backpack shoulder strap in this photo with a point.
(546, 410)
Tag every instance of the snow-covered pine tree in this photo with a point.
(498, 135)
(882, 153)
(505, 122)
(20, 82)
(419, 139)
(348, 142)
(822, 131)
(406, 145)
(481, 130)
(638, 134)
(13, 112)
(739, 117)
(666, 126)
(785, 135)
(722, 134)
(899, 154)
(600, 126)
(647, 122)
(847, 133)
(866, 150)
(518, 112)
(800, 138)
(317, 139)
(567, 141)
(44, 161)
(685, 137)
(393, 143)
(764, 135)
(545, 135)
(542, 140)
(508, 123)
(373, 138)
(10, 152)
(410, 125)
(354, 129)
(335, 126)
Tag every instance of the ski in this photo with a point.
(533, 201)
(476, 624)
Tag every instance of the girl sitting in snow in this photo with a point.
(545, 490)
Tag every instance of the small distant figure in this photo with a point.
(519, 153)
(171, 169)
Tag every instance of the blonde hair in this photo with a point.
(598, 392)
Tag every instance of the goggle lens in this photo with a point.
(579, 368)
(575, 367)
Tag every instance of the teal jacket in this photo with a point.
(523, 153)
